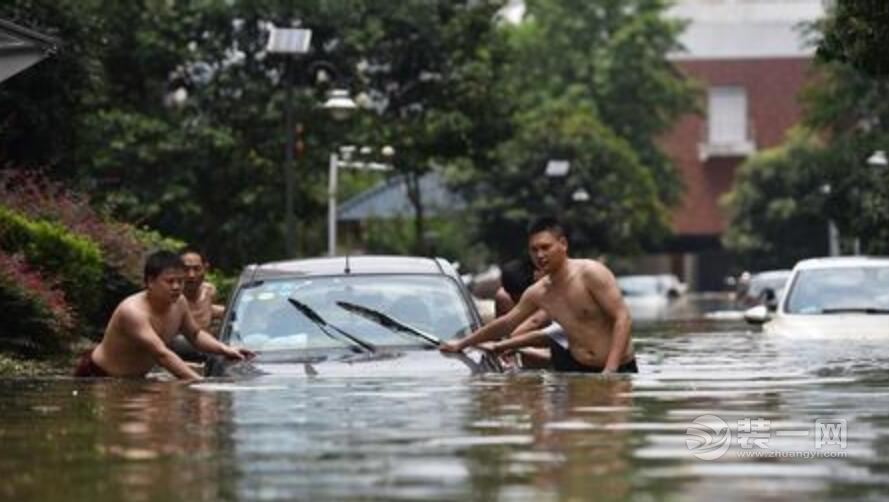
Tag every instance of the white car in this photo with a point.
(649, 297)
(831, 297)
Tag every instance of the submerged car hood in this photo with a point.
(386, 363)
(830, 325)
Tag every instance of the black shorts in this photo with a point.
(562, 360)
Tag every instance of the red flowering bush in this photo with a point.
(37, 197)
(35, 313)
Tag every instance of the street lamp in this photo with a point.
(580, 195)
(833, 233)
(557, 168)
(878, 159)
(344, 160)
(288, 41)
(340, 104)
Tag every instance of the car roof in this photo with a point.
(771, 274)
(352, 265)
(842, 261)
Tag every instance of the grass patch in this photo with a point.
(15, 366)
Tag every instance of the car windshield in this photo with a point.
(767, 280)
(265, 320)
(640, 285)
(819, 291)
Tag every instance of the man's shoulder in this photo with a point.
(208, 288)
(594, 268)
(132, 308)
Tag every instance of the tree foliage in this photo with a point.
(170, 114)
(783, 199)
(857, 33)
(589, 83)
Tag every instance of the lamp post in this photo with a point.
(288, 41)
(833, 233)
(344, 160)
(557, 169)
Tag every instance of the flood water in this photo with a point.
(788, 418)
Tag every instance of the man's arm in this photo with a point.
(205, 342)
(137, 327)
(498, 328)
(216, 310)
(502, 303)
(537, 321)
(533, 338)
(602, 285)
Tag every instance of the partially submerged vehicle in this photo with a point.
(831, 297)
(351, 316)
(764, 288)
(649, 296)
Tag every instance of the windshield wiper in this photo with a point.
(855, 310)
(356, 343)
(389, 322)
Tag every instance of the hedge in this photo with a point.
(36, 316)
(75, 261)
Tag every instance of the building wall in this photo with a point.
(757, 45)
(772, 87)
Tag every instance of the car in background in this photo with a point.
(350, 316)
(837, 296)
(763, 288)
(648, 297)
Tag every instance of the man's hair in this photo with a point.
(548, 224)
(516, 276)
(159, 261)
(193, 250)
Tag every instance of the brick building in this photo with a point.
(751, 59)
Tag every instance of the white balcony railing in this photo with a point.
(728, 142)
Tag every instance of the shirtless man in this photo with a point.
(581, 295)
(516, 277)
(199, 293)
(141, 326)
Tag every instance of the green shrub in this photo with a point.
(73, 259)
(224, 285)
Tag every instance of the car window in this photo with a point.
(816, 290)
(761, 282)
(265, 320)
(640, 285)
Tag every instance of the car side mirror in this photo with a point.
(757, 315)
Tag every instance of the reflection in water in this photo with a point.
(535, 436)
(110, 440)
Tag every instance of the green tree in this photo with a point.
(780, 204)
(857, 33)
(41, 109)
(589, 83)
(207, 168)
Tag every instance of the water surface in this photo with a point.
(529, 436)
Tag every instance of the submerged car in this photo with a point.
(350, 316)
(648, 297)
(763, 288)
(838, 296)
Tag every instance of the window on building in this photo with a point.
(727, 115)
